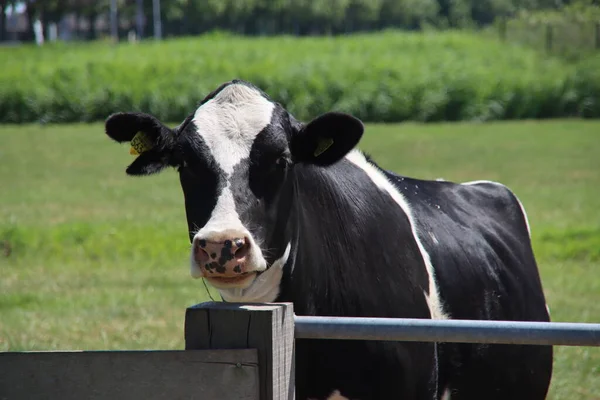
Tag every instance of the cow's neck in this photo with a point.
(351, 236)
(321, 220)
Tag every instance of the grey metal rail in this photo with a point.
(458, 331)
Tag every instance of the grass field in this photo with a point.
(93, 259)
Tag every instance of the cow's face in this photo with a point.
(235, 156)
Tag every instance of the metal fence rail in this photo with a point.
(458, 331)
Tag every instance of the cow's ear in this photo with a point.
(150, 139)
(326, 139)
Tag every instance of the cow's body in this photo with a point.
(281, 217)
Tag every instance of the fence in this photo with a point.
(243, 351)
(565, 37)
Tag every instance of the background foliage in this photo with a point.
(301, 17)
(383, 77)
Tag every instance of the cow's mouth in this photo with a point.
(223, 282)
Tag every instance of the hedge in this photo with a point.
(384, 77)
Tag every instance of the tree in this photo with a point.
(45, 11)
(90, 10)
(361, 14)
(3, 31)
(408, 13)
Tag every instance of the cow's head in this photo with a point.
(235, 156)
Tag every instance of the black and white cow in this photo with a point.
(280, 210)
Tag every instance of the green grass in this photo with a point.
(94, 259)
(379, 77)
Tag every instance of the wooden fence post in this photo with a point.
(267, 327)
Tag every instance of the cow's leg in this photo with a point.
(499, 372)
(364, 370)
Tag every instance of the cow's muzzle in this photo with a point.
(223, 262)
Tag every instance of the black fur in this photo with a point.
(122, 127)
(344, 130)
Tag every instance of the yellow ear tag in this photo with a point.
(140, 143)
(322, 145)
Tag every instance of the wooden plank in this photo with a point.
(267, 327)
(144, 375)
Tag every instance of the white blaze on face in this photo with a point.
(228, 124)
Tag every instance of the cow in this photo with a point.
(280, 210)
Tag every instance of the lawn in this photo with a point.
(93, 259)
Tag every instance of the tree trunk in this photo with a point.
(76, 30)
(30, 33)
(3, 32)
(45, 21)
(92, 33)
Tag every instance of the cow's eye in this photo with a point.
(282, 162)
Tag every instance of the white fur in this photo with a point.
(447, 394)
(524, 216)
(228, 124)
(433, 300)
(225, 224)
(263, 289)
(336, 395)
(519, 201)
(435, 241)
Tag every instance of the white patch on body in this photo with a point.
(446, 395)
(263, 289)
(433, 300)
(336, 395)
(229, 123)
(524, 216)
(519, 201)
(435, 241)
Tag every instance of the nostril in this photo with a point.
(201, 254)
(243, 248)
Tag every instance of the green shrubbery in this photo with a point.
(385, 77)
